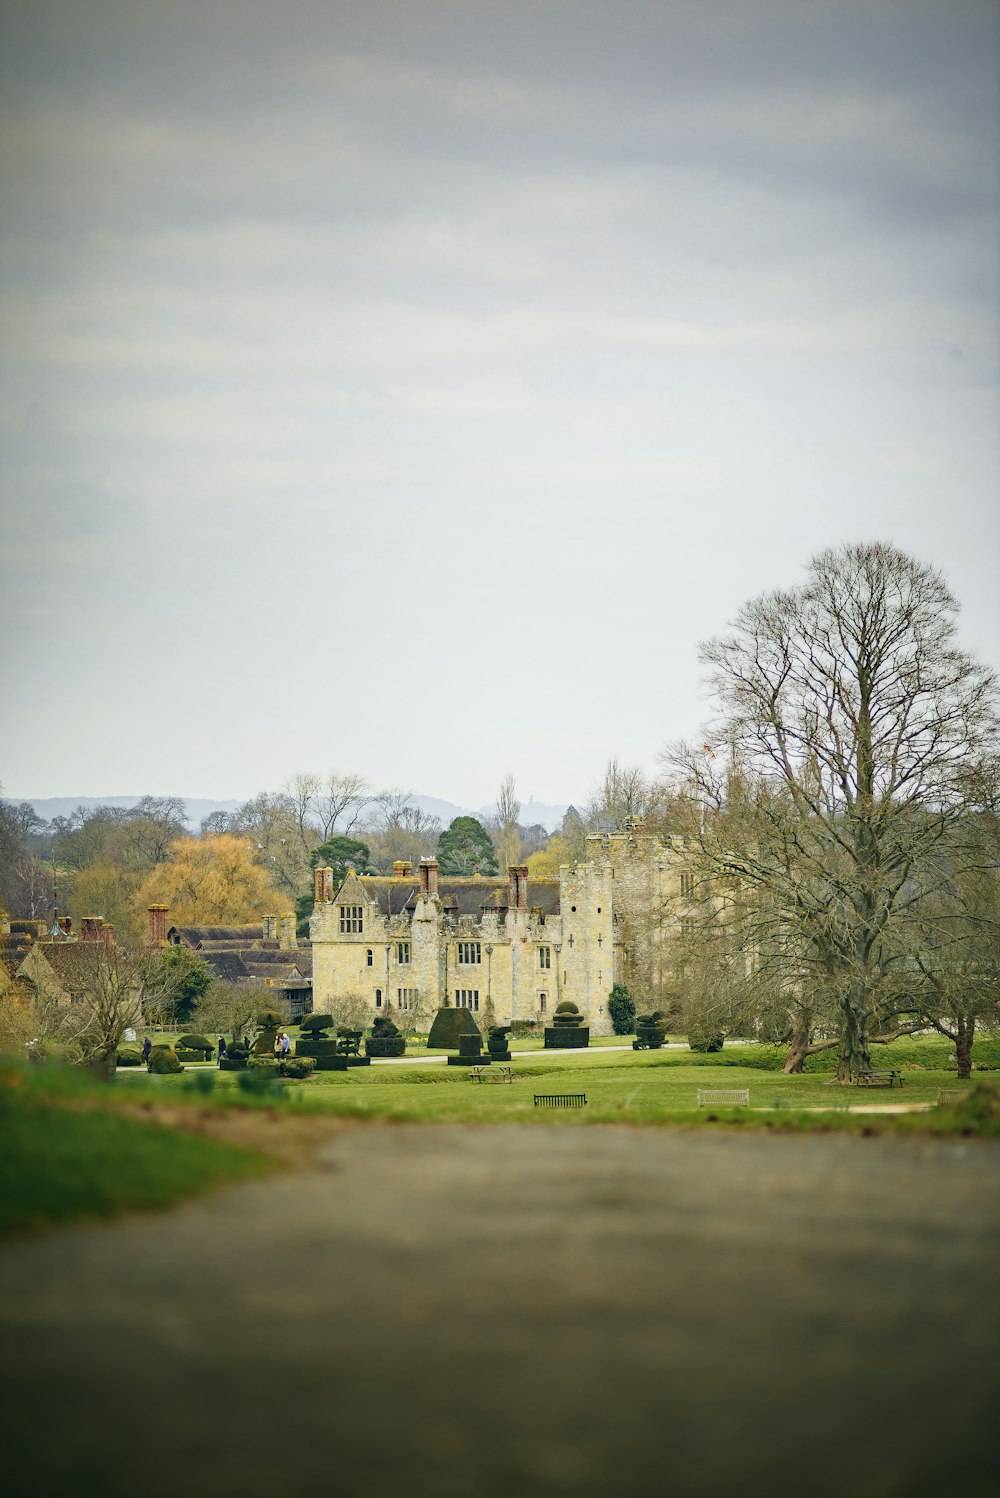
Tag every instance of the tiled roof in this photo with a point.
(193, 936)
(459, 896)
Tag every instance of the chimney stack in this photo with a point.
(429, 878)
(520, 873)
(402, 868)
(90, 927)
(323, 892)
(269, 928)
(286, 931)
(157, 925)
(66, 925)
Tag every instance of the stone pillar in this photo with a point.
(157, 925)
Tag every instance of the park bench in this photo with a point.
(948, 1096)
(490, 1074)
(723, 1097)
(560, 1100)
(879, 1079)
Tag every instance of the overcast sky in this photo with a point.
(409, 387)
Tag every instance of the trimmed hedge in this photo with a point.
(385, 1039)
(268, 1064)
(297, 1067)
(195, 1043)
(567, 1037)
(232, 1063)
(129, 1055)
(325, 1046)
(316, 1024)
(448, 1025)
(184, 1054)
(163, 1062)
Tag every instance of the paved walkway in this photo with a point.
(489, 1312)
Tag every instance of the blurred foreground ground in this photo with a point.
(521, 1311)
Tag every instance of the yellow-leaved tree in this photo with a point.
(546, 862)
(210, 881)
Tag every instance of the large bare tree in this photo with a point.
(848, 719)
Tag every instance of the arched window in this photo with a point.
(378, 998)
(370, 958)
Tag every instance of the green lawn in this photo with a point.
(63, 1159)
(623, 1087)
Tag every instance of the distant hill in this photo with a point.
(198, 808)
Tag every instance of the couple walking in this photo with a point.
(282, 1044)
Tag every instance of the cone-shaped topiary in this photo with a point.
(650, 1031)
(448, 1025)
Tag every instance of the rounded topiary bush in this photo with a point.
(270, 1019)
(297, 1067)
(567, 1014)
(650, 1031)
(163, 1062)
(269, 1065)
(129, 1055)
(235, 1058)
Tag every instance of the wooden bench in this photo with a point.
(723, 1097)
(560, 1100)
(490, 1074)
(948, 1096)
(878, 1079)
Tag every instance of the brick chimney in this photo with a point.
(429, 878)
(90, 927)
(286, 931)
(323, 892)
(269, 927)
(157, 925)
(402, 868)
(66, 925)
(511, 887)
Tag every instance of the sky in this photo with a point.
(407, 388)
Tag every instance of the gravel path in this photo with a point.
(451, 1312)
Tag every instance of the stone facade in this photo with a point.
(507, 949)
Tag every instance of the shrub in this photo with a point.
(129, 1055)
(621, 1008)
(385, 1039)
(267, 1064)
(448, 1025)
(348, 1041)
(189, 1056)
(296, 1067)
(316, 1025)
(270, 1019)
(162, 1062)
(238, 1051)
(705, 1041)
(567, 1014)
(522, 1027)
(650, 1030)
(326, 1046)
(567, 1007)
(195, 1043)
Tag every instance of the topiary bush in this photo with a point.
(706, 1041)
(196, 1043)
(567, 1028)
(448, 1025)
(235, 1058)
(163, 1062)
(323, 1046)
(650, 1031)
(315, 1025)
(297, 1067)
(385, 1039)
(567, 1014)
(268, 1064)
(129, 1055)
(621, 1009)
(496, 1042)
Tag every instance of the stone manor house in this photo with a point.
(507, 949)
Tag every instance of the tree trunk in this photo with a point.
(965, 1031)
(854, 1056)
(798, 1048)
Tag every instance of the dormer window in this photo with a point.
(352, 920)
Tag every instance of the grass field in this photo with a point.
(620, 1086)
(64, 1158)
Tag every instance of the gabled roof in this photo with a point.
(194, 936)
(228, 967)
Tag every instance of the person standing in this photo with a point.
(222, 1047)
(147, 1046)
